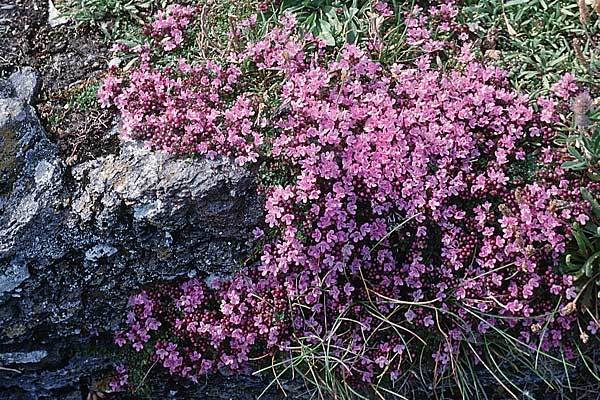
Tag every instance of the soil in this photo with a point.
(68, 58)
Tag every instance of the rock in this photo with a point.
(99, 251)
(75, 243)
(30, 170)
(12, 276)
(23, 358)
(189, 213)
(36, 383)
(24, 83)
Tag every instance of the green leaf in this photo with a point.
(596, 143)
(589, 197)
(325, 33)
(574, 165)
(558, 60)
(589, 265)
(352, 11)
(570, 266)
(575, 153)
(581, 242)
(352, 35)
(515, 3)
(593, 176)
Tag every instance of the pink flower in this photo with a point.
(514, 306)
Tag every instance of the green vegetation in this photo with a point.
(537, 41)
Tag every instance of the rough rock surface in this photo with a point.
(75, 242)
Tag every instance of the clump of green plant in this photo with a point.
(122, 20)
(332, 20)
(86, 97)
(377, 25)
(537, 41)
(582, 158)
(81, 98)
(111, 16)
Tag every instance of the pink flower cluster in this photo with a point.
(209, 327)
(413, 218)
(121, 380)
(169, 26)
(192, 109)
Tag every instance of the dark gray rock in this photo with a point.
(25, 84)
(23, 358)
(75, 243)
(21, 85)
(186, 212)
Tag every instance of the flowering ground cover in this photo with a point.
(431, 213)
